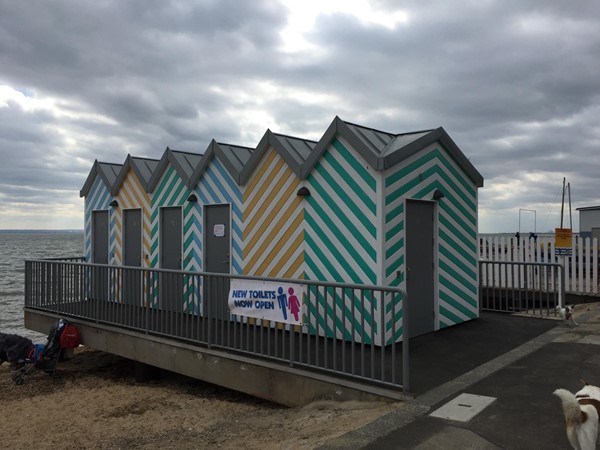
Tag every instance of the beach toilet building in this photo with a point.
(130, 225)
(174, 230)
(359, 206)
(396, 209)
(130, 228)
(97, 210)
(273, 212)
(172, 212)
(215, 185)
(368, 207)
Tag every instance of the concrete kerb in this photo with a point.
(421, 405)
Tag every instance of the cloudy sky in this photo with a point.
(515, 84)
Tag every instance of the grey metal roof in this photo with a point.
(184, 163)
(233, 157)
(380, 149)
(293, 150)
(383, 150)
(373, 139)
(142, 167)
(588, 208)
(107, 171)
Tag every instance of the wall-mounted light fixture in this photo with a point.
(438, 194)
(303, 192)
(114, 204)
(192, 198)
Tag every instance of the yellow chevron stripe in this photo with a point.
(271, 155)
(275, 254)
(293, 269)
(133, 195)
(267, 221)
(266, 186)
(287, 256)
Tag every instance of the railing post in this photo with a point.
(561, 286)
(405, 344)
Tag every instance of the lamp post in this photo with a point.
(534, 219)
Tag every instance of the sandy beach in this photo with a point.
(95, 402)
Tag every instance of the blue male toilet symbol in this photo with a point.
(282, 299)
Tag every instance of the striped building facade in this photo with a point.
(333, 210)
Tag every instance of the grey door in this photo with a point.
(132, 256)
(100, 237)
(217, 259)
(99, 275)
(420, 266)
(170, 241)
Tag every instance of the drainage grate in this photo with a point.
(463, 408)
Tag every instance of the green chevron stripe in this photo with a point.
(364, 265)
(458, 241)
(362, 172)
(354, 186)
(415, 165)
(357, 303)
(468, 270)
(453, 287)
(458, 306)
(469, 214)
(348, 221)
(456, 248)
(470, 229)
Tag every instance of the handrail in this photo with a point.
(346, 324)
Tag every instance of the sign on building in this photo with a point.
(280, 302)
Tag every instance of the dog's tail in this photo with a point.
(571, 407)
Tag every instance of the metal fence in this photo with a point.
(582, 267)
(521, 287)
(352, 331)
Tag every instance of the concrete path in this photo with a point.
(523, 413)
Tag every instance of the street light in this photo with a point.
(534, 219)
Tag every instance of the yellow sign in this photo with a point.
(563, 237)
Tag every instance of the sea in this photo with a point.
(16, 246)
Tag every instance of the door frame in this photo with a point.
(124, 243)
(93, 232)
(159, 237)
(205, 234)
(435, 256)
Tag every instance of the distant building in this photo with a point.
(589, 222)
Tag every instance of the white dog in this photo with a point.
(581, 414)
(566, 313)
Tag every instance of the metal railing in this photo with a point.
(525, 287)
(349, 330)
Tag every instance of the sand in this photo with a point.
(95, 402)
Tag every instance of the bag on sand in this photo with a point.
(69, 338)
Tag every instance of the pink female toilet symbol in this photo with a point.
(294, 304)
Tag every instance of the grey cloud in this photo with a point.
(515, 85)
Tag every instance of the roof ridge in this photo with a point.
(235, 145)
(293, 137)
(367, 128)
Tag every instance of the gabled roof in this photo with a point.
(293, 150)
(383, 150)
(233, 157)
(184, 163)
(142, 167)
(107, 171)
